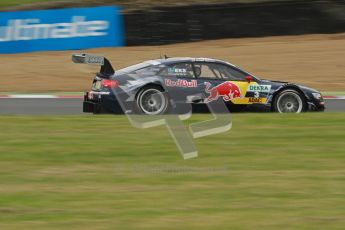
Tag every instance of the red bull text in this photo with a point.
(181, 83)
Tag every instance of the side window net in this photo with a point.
(206, 70)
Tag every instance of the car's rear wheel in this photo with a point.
(289, 101)
(152, 100)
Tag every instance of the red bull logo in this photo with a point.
(227, 90)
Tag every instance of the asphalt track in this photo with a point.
(73, 106)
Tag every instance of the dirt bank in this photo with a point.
(313, 60)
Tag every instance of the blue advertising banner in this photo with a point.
(63, 29)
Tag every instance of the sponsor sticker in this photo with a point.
(177, 71)
(259, 88)
(227, 90)
(94, 59)
(181, 83)
(255, 100)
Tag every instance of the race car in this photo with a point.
(160, 86)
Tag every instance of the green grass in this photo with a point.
(270, 171)
(333, 93)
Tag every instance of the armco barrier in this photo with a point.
(193, 23)
(63, 29)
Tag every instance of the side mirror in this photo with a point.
(249, 79)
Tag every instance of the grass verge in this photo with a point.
(270, 171)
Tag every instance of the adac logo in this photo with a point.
(255, 100)
(227, 90)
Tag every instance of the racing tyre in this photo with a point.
(152, 100)
(289, 101)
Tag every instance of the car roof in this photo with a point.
(184, 59)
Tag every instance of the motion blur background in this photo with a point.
(97, 172)
(299, 41)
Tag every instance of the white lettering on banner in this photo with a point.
(31, 29)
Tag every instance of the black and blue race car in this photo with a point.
(160, 86)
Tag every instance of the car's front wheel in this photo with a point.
(152, 100)
(289, 101)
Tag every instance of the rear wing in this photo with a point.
(106, 68)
